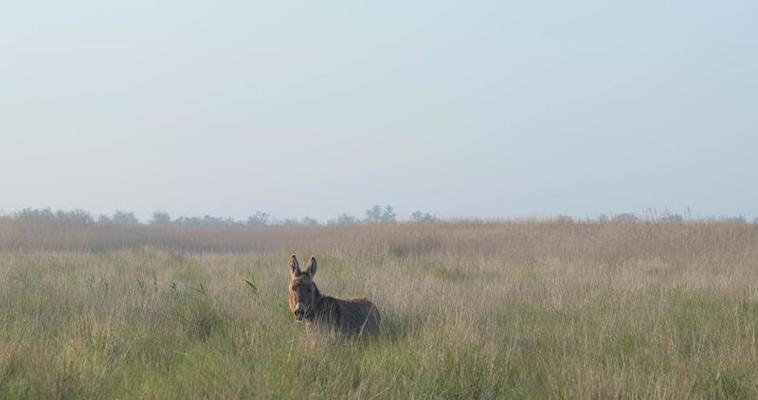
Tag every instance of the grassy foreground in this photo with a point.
(470, 310)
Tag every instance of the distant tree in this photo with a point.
(388, 214)
(379, 215)
(258, 219)
(374, 214)
(305, 221)
(422, 217)
(229, 221)
(179, 221)
(309, 221)
(31, 213)
(104, 219)
(625, 218)
(124, 218)
(80, 216)
(210, 220)
(290, 222)
(188, 221)
(343, 219)
(75, 216)
(160, 218)
(205, 221)
(564, 219)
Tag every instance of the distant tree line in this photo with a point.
(374, 215)
(381, 215)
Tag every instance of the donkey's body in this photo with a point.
(353, 316)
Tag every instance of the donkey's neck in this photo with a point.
(324, 308)
(318, 305)
(317, 294)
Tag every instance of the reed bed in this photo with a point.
(470, 310)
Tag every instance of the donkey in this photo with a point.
(352, 316)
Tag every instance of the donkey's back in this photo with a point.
(354, 315)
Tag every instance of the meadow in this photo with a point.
(470, 310)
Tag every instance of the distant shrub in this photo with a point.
(309, 221)
(625, 218)
(343, 219)
(124, 218)
(290, 222)
(260, 218)
(160, 218)
(379, 215)
(32, 214)
(422, 217)
(74, 216)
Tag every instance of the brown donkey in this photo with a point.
(353, 316)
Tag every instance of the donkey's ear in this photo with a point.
(311, 267)
(294, 266)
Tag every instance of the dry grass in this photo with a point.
(470, 310)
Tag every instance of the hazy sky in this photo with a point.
(490, 109)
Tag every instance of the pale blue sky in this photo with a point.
(489, 109)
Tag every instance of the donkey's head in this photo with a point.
(303, 293)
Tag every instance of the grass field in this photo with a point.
(470, 310)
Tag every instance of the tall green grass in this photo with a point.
(469, 311)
